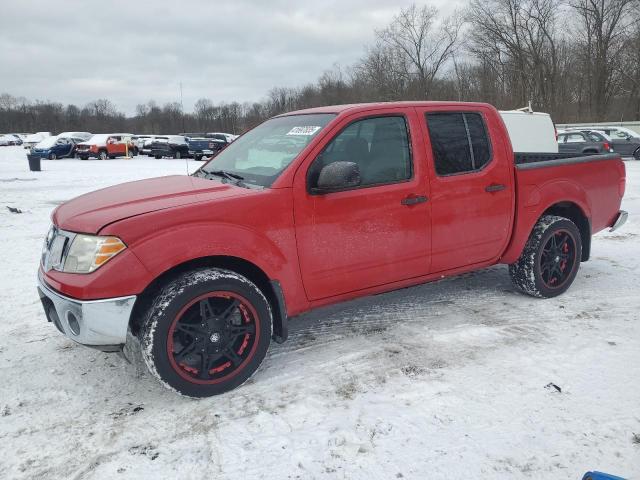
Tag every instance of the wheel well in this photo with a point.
(574, 213)
(235, 264)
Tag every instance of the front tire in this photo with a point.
(102, 155)
(177, 155)
(53, 156)
(550, 259)
(206, 332)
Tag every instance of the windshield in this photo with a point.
(261, 154)
(47, 142)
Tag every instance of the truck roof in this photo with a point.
(356, 107)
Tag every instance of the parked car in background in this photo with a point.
(56, 147)
(32, 140)
(227, 137)
(146, 145)
(520, 124)
(10, 139)
(587, 142)
(626, 142)
(6, 140)
(200, 147)
(107, 145)
(139, 140)
(169, 146)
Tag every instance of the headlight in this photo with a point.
(89, 252)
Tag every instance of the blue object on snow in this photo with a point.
(600, 476)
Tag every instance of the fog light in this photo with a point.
(74, 325)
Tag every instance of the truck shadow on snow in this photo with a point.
(465, 295)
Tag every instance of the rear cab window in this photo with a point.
(459, 142)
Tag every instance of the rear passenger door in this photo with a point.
(472, 196)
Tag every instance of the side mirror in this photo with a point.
(338, 176)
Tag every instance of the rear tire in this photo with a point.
(206, 332)
(158, 157)
(102, 155)
(177, 155)
(53, 156)
(550, 259)
(636, 154)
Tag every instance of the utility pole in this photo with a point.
(181, 108)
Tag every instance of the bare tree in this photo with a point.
(603, 29)
(423, 42)
(629, 69)
(520, 40)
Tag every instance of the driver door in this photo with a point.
(372, 234)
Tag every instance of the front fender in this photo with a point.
(169, 248)
(257, 228)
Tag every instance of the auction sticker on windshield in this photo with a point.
(308, 130)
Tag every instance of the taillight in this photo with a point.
(606, 146)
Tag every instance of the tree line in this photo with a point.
(576, 59)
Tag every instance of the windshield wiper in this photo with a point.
(226, 174)
(231, 177)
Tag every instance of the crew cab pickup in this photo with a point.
(311, 208)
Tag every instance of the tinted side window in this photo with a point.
(459, 142)
(595, 137)
(479, 140)
(575, 138)
(379, 146)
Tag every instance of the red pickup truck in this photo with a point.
(312, 208)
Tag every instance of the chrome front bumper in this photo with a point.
(621, 219)
(101, 324)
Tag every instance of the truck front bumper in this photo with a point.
(101, 324)
(621, 219)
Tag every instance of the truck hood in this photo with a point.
(90, 212)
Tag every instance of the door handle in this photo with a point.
(495, 187)
(413, 200)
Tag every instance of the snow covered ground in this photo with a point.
(445, 380)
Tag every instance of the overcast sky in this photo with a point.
(75, 51)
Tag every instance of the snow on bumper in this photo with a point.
(96, 323)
